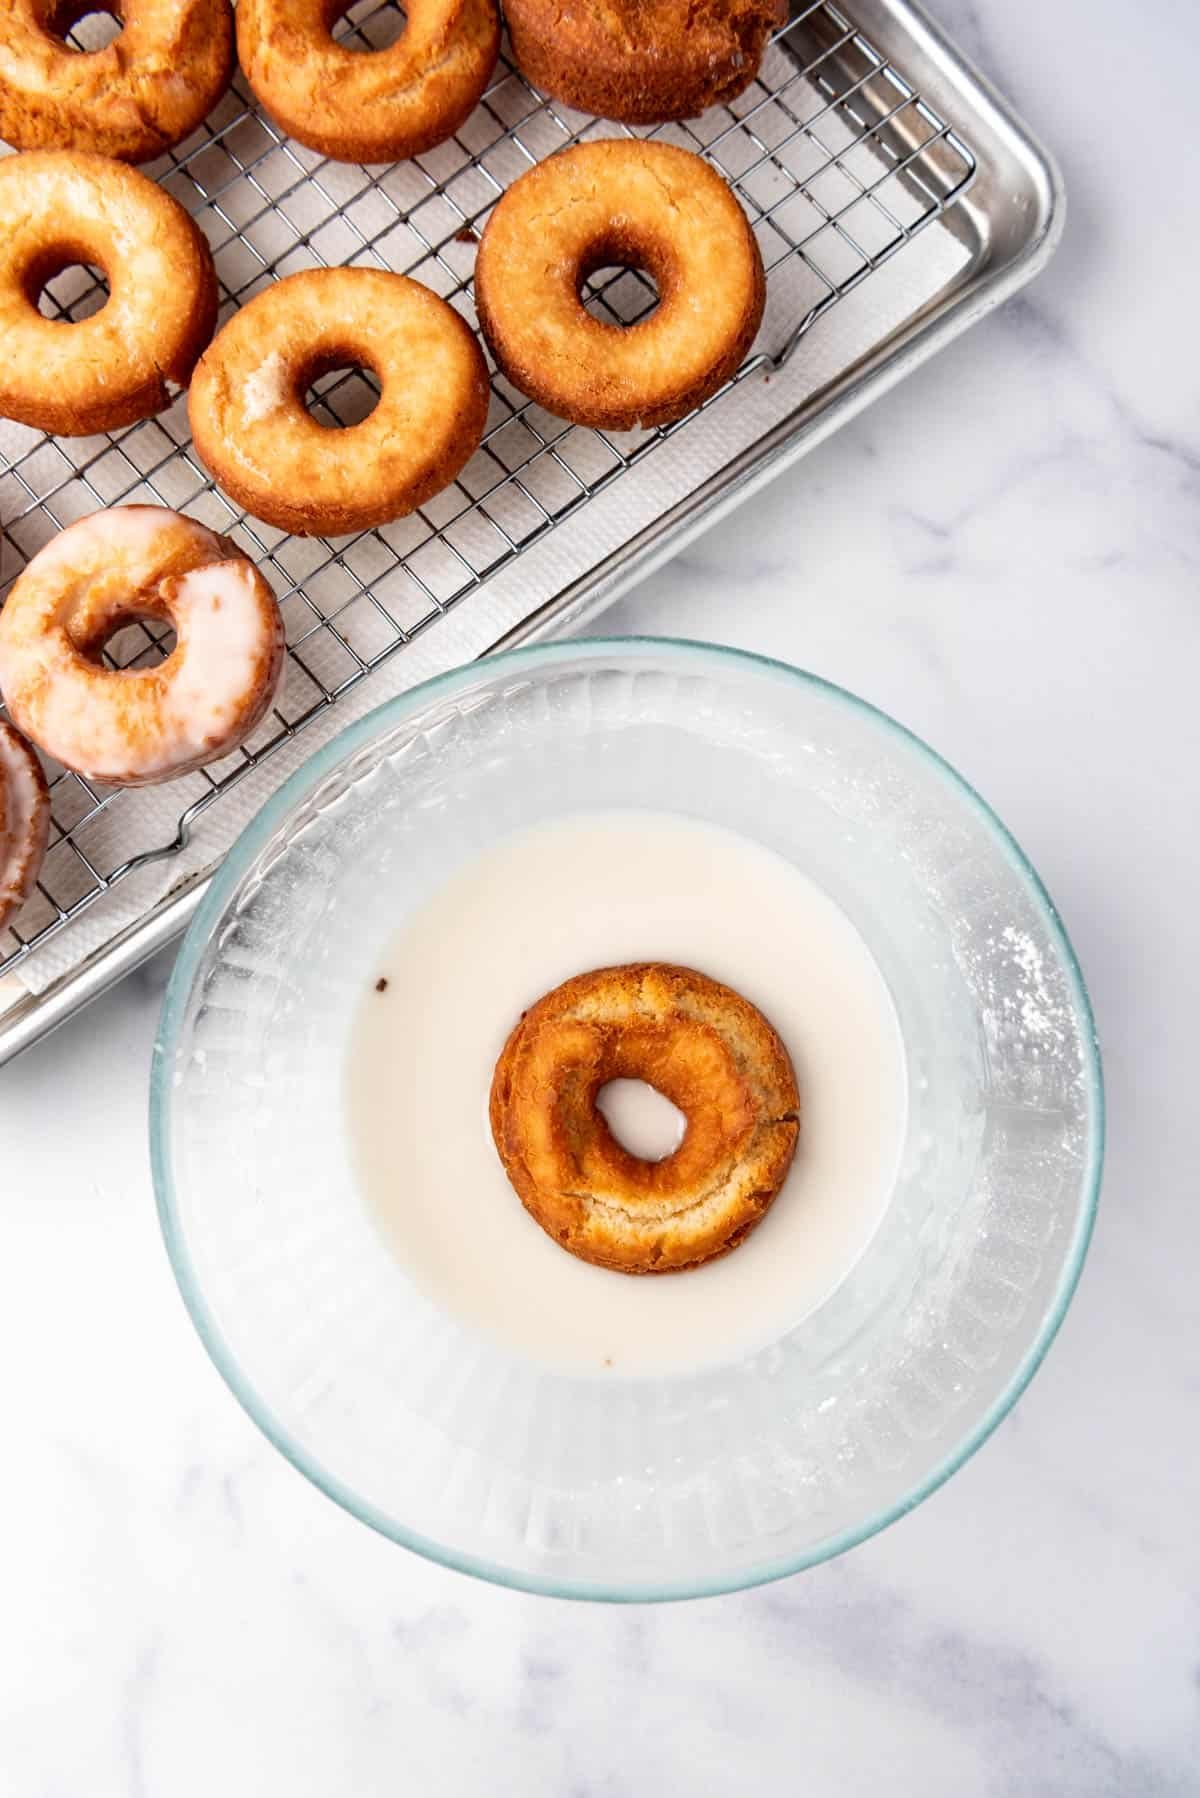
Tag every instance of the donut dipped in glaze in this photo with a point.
(141, 94)
(129, 359)
(250, 425)
(628, 203)
(368, 105)
(24, 821)
(707, 1050)
(135, 726)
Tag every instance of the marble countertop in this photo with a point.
(1004, 553)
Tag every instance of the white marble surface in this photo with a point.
(1005, 554)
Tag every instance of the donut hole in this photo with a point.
(622, 279)
(67, 288)
(88, 27)
(136, 642)
(643, 1121)
(339, 390)
(618, 295)
(132, 640)
(367, 25)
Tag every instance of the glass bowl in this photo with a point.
(627, 1488)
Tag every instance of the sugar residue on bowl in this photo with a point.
(1040, 1012)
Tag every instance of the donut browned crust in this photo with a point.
(368, 105)
(144, 92)
(59, 207)
(24, 821)
(135, 726)
(641, 61)
(619, 202)
(701, 1045)
(251, 428)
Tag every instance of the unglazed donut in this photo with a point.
(619, 202)
(701, 1045)
(370, 105)
(132, 727)
(641, 61)
(251, 428)
(59, 207)
(24, 821)
(142, 93)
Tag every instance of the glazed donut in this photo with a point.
(24, 821)
(141, 94)
(626, 203)
(702, 1046)
(132, 727)
(251, 428)
(58, 207)
(641, 61)
(371, 105)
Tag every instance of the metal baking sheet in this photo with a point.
(864, 129)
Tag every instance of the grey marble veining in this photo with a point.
(1003, 553)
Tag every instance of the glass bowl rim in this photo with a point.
(224, 884)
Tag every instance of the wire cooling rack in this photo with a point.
(839, 162)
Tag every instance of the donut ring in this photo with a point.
(62, 206)
(24, 821)
(642, 61)
(131, 727)
(143, 93)
(701, 1045)
(621, 202)
(372, 105)
(251, 428)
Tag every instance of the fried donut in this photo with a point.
(627, 203)
(702, 1046)
(370, 105)
(24, 821)
(641, 61)
(58, 207)
(139, 95)
(131, 727)
(251, 428)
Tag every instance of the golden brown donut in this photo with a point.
(619, 202)
(142, 93)
(702, 1046)
(368, 105)
(251, 428)
(641, 61)
(24, 821)
(134, 726)
(59, 207)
